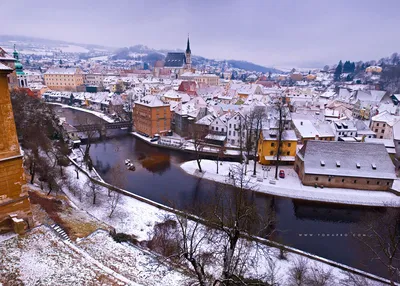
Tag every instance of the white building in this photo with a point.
(236, 129)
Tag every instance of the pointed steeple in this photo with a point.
(188, 46)
(15, 53)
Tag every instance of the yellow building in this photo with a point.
(268, 147)
(65, 79)
(373, 69)
(15, 212)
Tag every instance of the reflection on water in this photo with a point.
(158, 177)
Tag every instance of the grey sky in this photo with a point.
(303, 33)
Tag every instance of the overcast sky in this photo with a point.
(303, 33)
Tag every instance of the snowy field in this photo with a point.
(291, 186)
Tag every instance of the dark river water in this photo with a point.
(158, 177)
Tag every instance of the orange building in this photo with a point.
(15, 209)
(151, 116)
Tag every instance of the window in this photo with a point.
(382, 131)
(272, 144)
(376, 130)
(377, 124)
(229, 133)
(355, 181)
(329, 179)
(387, 183)
(216, 128)
(222, 129)
(381, 137)
(287, 153)
(212, 127)
(377, 182)
(230, 125)
(342, 180)
(234, 133)
(289, 144)
(271, 153)
(384, 125)
(316, 178)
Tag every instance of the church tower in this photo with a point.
(19, 69)
(188, 55)
(15, 212)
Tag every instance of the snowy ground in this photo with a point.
(131, 262)
(291, 185)
(138, 218)
(42, 258)
(96, 113)
(128, 217)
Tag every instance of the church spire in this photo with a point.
(188, 46)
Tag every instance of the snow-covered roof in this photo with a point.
(4, 68)
(61, 71)
(306, 128)
(386, 117)
(150, 101)
(287, 135)
(206, 120)
(348, 154)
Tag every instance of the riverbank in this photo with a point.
(188, 147)
(138, 218)
(291, 186)
(96, 113)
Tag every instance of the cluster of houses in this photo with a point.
(342, 135)
(357, 131)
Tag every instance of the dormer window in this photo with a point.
(373, 166)
(358, 165)
(338, 164)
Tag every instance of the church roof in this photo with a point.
(175, 60)
(188, 46)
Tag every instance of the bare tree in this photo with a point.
(113, 202)
(228, 223)
(197, 134)
(220, 155)
(318, 276)
(298, 272)
(280, 107)
(382, 238)
(352, 279)
(254, 125)
(93, 190)
(90, 134)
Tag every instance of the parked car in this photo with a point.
(281, 174)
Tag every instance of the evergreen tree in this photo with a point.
(338, 71)
(232, 76)
(353, 67)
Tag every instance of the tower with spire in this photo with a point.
(188, 55)
(19, 69)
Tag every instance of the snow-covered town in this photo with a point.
(132, 165)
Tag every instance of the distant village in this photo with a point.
(174, 104)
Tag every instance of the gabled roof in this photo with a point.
(175, 60)
(348, 154)
(150, 101)
(386, 117)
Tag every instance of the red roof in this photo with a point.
(188, 86)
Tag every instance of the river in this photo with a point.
(158, 177)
